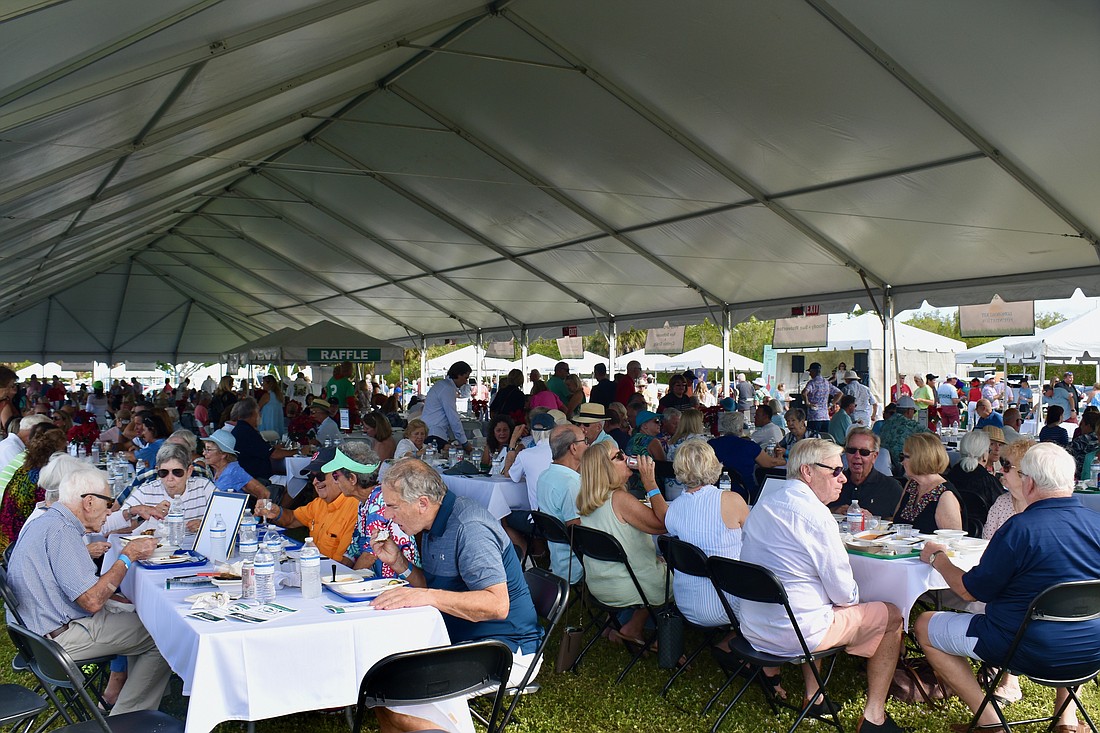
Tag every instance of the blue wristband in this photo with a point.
(125, 561)
(651, 493)
(408, 571)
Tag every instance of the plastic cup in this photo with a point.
(903, 531)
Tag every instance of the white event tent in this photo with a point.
(992, 351)
(709, 356)
(1070, 342)
(489, 365)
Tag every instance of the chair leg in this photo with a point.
(609, 623)
(646, 644)
(683, 667)
(729, 706)
(1081, 708)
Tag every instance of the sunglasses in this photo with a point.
(836, 470)
(317, 476)
(862, 451)
(620, 456)
(1006, 465)
(109, 499)
(177, 472)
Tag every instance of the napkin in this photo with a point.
(209, 600)
(114, 606)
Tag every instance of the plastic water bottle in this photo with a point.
(139, 466)
(176, 523)
(248, 577)
(265, 576)
(95, 453)
(429, 455)
(855, 517)
(497, 466)
(273, 544)
(217, 539)
(475, 457)
(248, 527)
(724, 482)
(309, 568)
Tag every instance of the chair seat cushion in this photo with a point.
(141, 721)
(17, 702)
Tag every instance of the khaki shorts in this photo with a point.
(859, 629)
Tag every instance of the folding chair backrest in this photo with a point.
(1068, 602)
(684, 557)
(589, 542)
(8, 596)
(55, 669)
(550, 527)
(549, 594)
(439, 673)
(746, 581)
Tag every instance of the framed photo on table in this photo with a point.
(229, 504)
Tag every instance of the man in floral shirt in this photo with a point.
(818, 393)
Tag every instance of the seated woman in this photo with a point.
(219, 450)
(501, 429)
(797, 429)
(689, 430)
(644, 441)
(970, 476)
(377, 426)
(996, 442)
(23, 493)
(1053, 432)
(604, 504)
(1011, 501)
(416, 432)
(154, 430)
(929, 501)
(152, 500)
(541, 396)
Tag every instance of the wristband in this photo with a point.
(932, 558)
(125, 561)
(651, 493)
(406, 573)
(280, 515)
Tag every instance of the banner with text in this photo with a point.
(501, 349)
(571, 347)
(771, 366)
(805, 332)
(667, 340)
(998, 318)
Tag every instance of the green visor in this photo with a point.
(342, 461)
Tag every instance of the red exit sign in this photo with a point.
(806, 310)
(568, 331)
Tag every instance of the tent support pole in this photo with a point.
(888, 337)
(1039, 416)
(612, 344)
(525, 337)
(478, 351)
(727, 319)
(423, 366)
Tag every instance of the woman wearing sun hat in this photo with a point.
(220, 453)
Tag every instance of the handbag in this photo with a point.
(572, 638)
(670, 638)
(916, 681)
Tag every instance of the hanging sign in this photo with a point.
(771, 366)
(571, 347)
(502, 349)
(568, 331)
(997, 318)
(335, 355)
(666, 340)
(801, 333)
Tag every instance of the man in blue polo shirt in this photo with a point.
(469, 571)
(1054, 540)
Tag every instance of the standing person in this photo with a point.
(866, 409)
(603, 392)
(272, 415)
(947, 394)
(1071, 396)
(440, 408)
(791, 532)
(556, 383)
(576, 394)
(746, 397)
(627, 384)
(973, 396)
(1054, 540)
(223, 399)
(819, 394)
(510, 400)
(925, 397)
(900, 388)
(1025, 397)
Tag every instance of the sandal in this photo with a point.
(823, 708)
(774, 685)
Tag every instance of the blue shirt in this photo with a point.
(1052, 541)
(253, 452)
(557, 492)
(50, 568)
(993, 419)
(466, 549)
(232, 478)
(739, 454)
(149, 453)
(1054, 434)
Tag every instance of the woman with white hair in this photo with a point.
(976, 485)
(175, 479)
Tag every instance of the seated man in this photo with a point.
(470, 571)
(330, 517)
(1053, 540)
(1087, 440)
(326, 428)
(54, 579)
(791, 532)
(557, 492)
(591, 419)
(766, 430)
(253, 452)
(877, 493)
(986, 415)
(1013, 421)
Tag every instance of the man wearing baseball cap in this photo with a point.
(948, 396)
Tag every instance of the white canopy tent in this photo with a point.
(543, 363)
(1071, 341)
(649, 362)
(918, 351)
(992, 351)
(709, 356)
(181, 177)
(45, 372)
(489, 364)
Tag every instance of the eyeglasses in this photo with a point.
(1006, 465)
(862, 451)
(177, 472)
(905, 456)
(620, 456)
(109, 499)
(836, 470)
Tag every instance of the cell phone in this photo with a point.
(345, 419)
(632, 461)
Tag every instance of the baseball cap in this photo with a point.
(645, 416)
(543, 421)
(930, 376)
(559, 417)
(317, 464)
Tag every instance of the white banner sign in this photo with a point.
(667, 340)
(801, 333)
(571, 347)
(501, 349)
(998, 318)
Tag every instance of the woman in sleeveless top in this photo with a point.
(929, 501)
(604, 504)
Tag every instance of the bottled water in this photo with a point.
(429, 455)
(175, 523)
(217, 539)
(140, 466)
(95, 453)
(248, 577)
(273, 544)
(724, 482)
(265, 576)
(855, 517)
(248, 527)
(454, 455)
(309, 568)
(475, 457)
(497, 466)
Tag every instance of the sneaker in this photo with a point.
(886, 726)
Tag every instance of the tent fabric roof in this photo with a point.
(864, 333)
(1071, 340)
(709, 356)
(186, 175)
(992, 351)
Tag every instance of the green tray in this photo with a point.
(880, 556)
(1086, 491)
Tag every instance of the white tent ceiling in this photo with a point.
(185, 175)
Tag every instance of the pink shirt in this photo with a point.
(548, 400)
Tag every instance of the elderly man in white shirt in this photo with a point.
(866, 403)
(791, 532)
(16, 442)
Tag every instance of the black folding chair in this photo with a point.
(19, 705)
(593, 544)
(755, 583)
(974, 511)
(436, 674)
(684, 557)
(62, 679)
(1072, 602)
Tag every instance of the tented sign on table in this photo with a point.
(335, 355)
(801, 333)
(998, 318)
(666, 340)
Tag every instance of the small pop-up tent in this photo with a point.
(489, 364)
(709, 356)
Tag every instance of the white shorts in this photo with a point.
(947, 632)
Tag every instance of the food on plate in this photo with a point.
(226, 576)
(149, 532)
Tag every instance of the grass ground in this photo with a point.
(589, 701)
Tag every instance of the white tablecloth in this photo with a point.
(1089, 501)
(500, 495)
(309, 660)
(902, 581)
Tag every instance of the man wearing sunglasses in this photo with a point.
(877, 493)
(791, 532)
(60, 596)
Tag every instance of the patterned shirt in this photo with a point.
(818, 391)
(894, 432)
(370, 523)
(195, 497)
